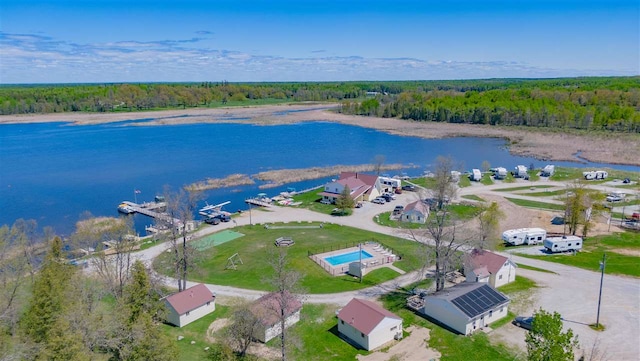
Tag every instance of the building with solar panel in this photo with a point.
(466, 307)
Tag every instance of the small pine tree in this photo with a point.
(344, 201)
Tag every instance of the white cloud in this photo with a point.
(39, 59)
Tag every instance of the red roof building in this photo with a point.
(368, 325)
(189, 305)
(485, 266)
(267, 309)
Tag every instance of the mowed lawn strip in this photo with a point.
(619, 248)
(535, 204)
(254, 249)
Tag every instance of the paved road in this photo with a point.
(571, 291)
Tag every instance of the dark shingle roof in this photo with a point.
(473, 299)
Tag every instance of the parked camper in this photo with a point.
(563, 244)
(548, 170)
(595, 174)
(516, 237)
(521, 172)
(499, 173)
(476, 175)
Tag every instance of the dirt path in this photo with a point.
(411, 348)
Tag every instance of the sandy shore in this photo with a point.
(553, 145)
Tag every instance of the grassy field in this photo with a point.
(515, 189)
(453, 347)
(564, 174)
(519, 285)
(486, 179)
(531, 268)
(473, 197)
(558, 192)
(534, 204)
(253, 249)
(195, 331)
(593, 249)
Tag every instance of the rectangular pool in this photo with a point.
(347, 257)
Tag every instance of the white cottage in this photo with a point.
(466, 307)
(267, 310)
(368, 325)
(189, 305)
(415, 212)
(488, 267)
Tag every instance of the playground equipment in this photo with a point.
(233, 262)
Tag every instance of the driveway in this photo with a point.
(572, 292)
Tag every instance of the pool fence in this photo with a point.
(380, 252)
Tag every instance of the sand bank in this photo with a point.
(545, 145)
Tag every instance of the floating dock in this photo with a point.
(258, 202)
(149, 209)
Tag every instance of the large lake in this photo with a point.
(53, 172)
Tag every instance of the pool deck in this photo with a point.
(381, 257)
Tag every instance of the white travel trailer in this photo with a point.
(500, 173)
(516, 237)
(563, 244)
(595, 174)
(548, 170)
(476, 175)
(521, 172)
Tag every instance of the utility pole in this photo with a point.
(602, 265)
(360, 265)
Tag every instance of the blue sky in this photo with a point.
(66, 41)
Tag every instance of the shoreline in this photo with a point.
(614, 148)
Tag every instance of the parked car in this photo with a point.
(379, 201)
(626, 181)
(408, 187)
(386, 197)
(325, 201)
(615, 197)
(212, 220)
(524, 322)
(398, 209)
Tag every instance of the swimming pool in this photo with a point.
(347, 257)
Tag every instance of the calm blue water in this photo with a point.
(347, 257)
(53, 172)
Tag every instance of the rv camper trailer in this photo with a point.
(595, 174)
(563, 244)
(500, 173)
(476, 175)
(516, 237)
(521, 172)
(548, 170)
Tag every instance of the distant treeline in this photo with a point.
(611, 103)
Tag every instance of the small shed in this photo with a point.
(367, 325)
(189, 305)
(267, 309)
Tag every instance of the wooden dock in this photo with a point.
(149, 209)
(257, 202)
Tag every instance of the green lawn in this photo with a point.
(384, 220)
(311, 200)
(253, 249)
(519, 285)
(318, 332)
(593, 249)
(473, 197)
(195, 331)
(524, 266)
(464, 181)
(464, 211)
(452, 346)
(553, 193)
(535, 204)
(515, 189)
(486, 179)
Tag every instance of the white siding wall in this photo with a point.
(264, 335)
(354, 335)
(446, 314)
(334, 187)
(172, 316)
(196, 314)
(505, 275)
(384, 332)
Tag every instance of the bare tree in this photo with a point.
(581, 204)
(440, 232)
(114, 240)
(178, 220)
(378, 162)
(287, 291)
(489, 221)
(244, 325)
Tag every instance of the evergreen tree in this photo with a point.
(48, 297)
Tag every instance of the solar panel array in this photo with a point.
(478, 301)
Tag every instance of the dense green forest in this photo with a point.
(608, 103)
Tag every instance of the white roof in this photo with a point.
(512, 232)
